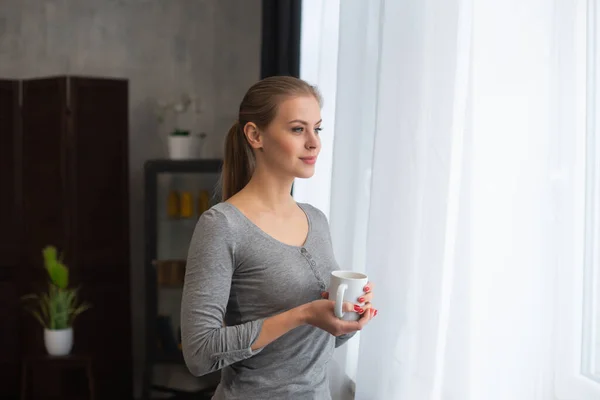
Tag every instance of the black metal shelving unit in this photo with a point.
(176, 192)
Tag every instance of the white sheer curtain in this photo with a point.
(455, 185)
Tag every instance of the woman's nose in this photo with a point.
(312, 140)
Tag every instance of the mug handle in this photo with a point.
(339, 300)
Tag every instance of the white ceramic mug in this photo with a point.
(347, 286)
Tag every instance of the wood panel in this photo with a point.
(10, 239)
(45, 200)
(70, 182)
(104, 331)
(10, 224)
(100, 192)
(101, 179)
(9, 340)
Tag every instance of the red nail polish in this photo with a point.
(356, 308)
(361, 300)
(367, 288)
(360, 310)
(375, 313)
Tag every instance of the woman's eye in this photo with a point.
(298, 129)
(318, 130)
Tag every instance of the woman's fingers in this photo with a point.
(368, 315)
(349, 307)
(357, 308)
(353, 326)
(364, 319)
(365, 298)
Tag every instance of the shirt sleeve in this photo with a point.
(207, 345)
(342, 339)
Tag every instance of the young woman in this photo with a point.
(254, 300)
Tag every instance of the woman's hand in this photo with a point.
(363, 303)
(320, 313)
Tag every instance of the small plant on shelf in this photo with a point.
(182, 140)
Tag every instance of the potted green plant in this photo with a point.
(182, 143)
(58, 307)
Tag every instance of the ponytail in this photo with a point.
(238, 164)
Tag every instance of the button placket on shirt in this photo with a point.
(313, 266)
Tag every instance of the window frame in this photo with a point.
(580, 265)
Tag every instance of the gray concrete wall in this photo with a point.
(210, 48)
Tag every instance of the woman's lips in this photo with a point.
(309, 160)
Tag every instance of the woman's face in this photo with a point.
(291, 143)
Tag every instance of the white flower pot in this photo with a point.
(58, 342)
(185, 147)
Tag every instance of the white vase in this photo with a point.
(58, 342)
(185, 147)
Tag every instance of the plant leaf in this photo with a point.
(72, 298)
(62, 308)
(49, 253)
(37, 316)
(79, 310)
(58, 272)
(62, 320)
(45, 307)
(30, 297)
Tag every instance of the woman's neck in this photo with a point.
(271, 191)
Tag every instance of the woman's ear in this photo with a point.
(253, 135)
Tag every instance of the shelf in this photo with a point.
(178, 262)
(167, 234)
(184, 166)
(169, 273)
(172, 287)
(168, 358)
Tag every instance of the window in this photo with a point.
(578, 303)
(591, 274)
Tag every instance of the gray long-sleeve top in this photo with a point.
(236, 277)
